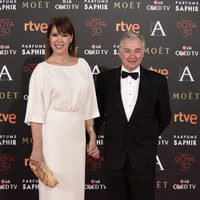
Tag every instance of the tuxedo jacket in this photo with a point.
(137, 138)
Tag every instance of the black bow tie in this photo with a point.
(134, 75)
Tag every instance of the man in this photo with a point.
(135, 108)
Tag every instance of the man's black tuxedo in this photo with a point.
(137, 138)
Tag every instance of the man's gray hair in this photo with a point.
(132, 36)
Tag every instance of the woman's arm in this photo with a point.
(36, 154)
(92, 148)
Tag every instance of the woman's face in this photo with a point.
(59, 41)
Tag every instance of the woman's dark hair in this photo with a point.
(63, 25)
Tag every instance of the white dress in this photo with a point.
(62, 98)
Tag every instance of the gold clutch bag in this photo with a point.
(43, 173)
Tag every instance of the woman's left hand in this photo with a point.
(92, 149)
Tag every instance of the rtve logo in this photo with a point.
(123, 26)
(164, 72)
(186, 118)
(6, 117)
(26, 162)
(38, 27)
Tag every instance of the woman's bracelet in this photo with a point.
(91, 129)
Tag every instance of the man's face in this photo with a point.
(131, 53)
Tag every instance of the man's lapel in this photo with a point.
(143, 92)
(116, 92)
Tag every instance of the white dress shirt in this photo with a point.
(129, 91)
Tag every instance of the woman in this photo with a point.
(61, 104)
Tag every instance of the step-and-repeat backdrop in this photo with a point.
(171, 29)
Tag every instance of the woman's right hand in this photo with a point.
(37, 155)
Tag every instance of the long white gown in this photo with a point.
(62, 98)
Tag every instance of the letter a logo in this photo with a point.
(4, 74)
(159, 164)
(185, 75)
(156, 29)
(95, 70)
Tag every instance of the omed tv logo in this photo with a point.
(95, 185)
(95, 49)
(6, 117)
(184, 185)
(158, 6)
(67, 5)
(33, 26)
(7, 50)
(7, 185)
(186, 51)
